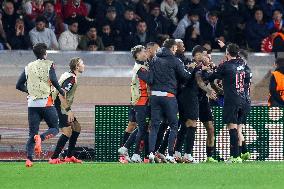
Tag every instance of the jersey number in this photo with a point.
(240, 81)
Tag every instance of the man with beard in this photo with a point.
(41, 34)
(69, 39)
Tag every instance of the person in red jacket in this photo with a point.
(75, 8)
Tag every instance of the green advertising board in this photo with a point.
(263, 133)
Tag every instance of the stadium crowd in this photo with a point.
(118, 25)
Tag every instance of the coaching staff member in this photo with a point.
(166, 70)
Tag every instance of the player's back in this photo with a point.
(233, 76)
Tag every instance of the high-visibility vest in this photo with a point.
(139, 88)
(70, 94)
(38, 83)
(279, 78)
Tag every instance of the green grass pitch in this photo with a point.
(259, 175)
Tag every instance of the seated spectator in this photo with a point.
(268, 6)
(103, 7)
(92, 46)
(250, 7)
(113, 21)
(3, 39)
(41, 34)
(108, 38)
(256, 31)
(170, 9)
(143, 10)
(55, 21)
(277, 22)
(91, 36)
(212, 29)
(69, 39)
(9, 17)
(142, 35)
(191, 18)
(19, 39)
(33, 9)
(191, 5)
(233, 17)
(192, 37)
(128, 26)
(127, 4)
(74, 8)
(278, 41)
(159, 25)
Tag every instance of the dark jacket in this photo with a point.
(275, 99)
(166, 69)
(255, 33)
(207, 33)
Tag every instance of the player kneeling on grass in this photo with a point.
(67, 122)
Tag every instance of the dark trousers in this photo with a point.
(35, 116)
(142, 113)
(162, 105)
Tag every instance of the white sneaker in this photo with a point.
(136, 158)
(171, 159)
(123, 151)
(187, 158)
(178, 156)
(162, 157)
(151, 158)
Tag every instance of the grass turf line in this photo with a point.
(260, 175)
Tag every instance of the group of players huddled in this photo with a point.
(170, 92)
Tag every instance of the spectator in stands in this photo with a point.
(192, 18)
(108, 38)
(256, 31)
(142, 36)
(127, 4)
(113, 21)
(192, 37)
(41, 34)
(55, 21)
(33, 9)
(69, 39)
(159, 25)
(170, 9)
(143, 10)
(9, 17)
(19, 39)
(250, 7)
(103, 7)
(212, 29)
(3, 39)
(91, 36)
(268, 6)
(128, 26)
(233, 17)
(75, 8)
(92, 46)
(277, 23)
(191, 5)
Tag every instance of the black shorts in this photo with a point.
(188, 105)
(246, 110)
(233, 113)
(205, 112)
(63, 119)
(131, 114)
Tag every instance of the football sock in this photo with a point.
(234, 147)
(125, 137)
(72, 143)
(209, 151)
(244, 147)
(189, 139)
(60, 145)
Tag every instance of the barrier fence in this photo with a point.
(263, 133)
